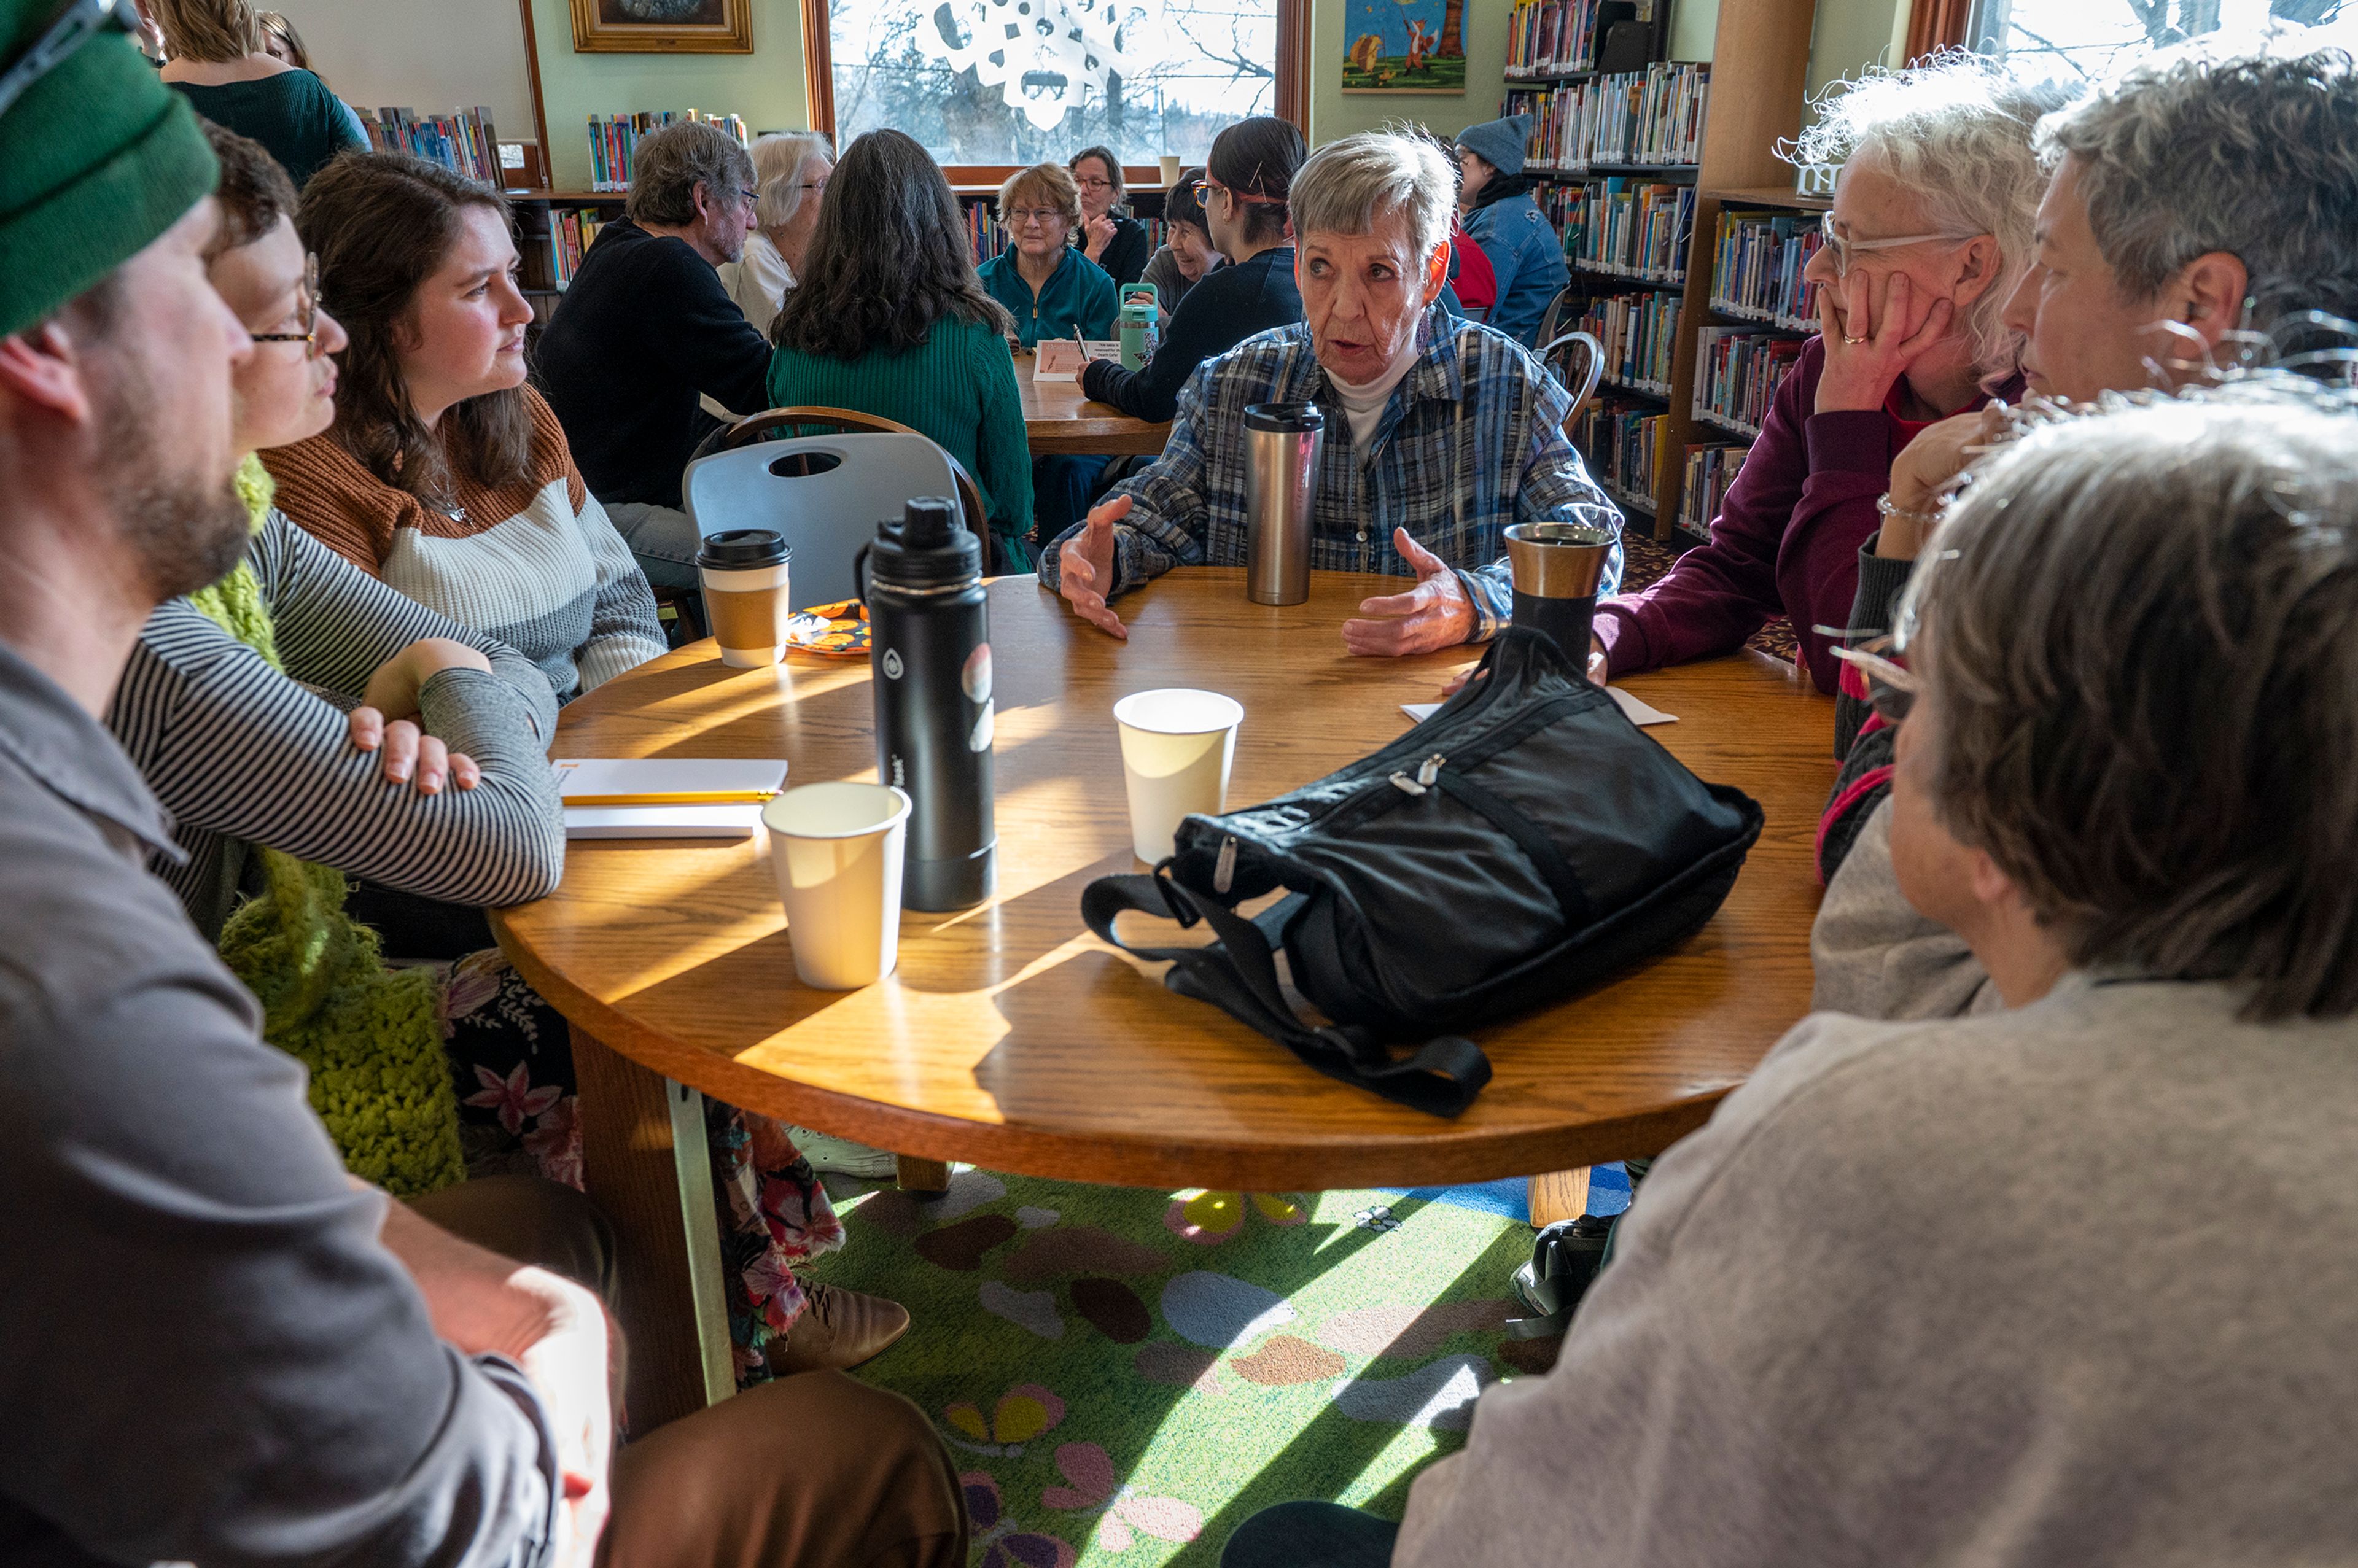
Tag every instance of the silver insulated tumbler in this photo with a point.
(1282, 446)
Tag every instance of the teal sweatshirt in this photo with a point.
(1078, 294)
(957, 386)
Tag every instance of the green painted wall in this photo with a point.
(1334, 112)
(766, 86)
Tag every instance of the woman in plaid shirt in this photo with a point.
(1441, 432)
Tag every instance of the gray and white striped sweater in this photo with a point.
(239, 754)
(534, 562)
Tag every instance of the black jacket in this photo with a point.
(1227, 306)
(1126, 253)
(643, 328)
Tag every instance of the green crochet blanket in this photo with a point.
(370, 1036)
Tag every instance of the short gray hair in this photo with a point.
(2256, 154)
(1347, 186)
(1958, 133)
(779, 159)
(667, 167)
(2141, 642)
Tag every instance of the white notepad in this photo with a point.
(649, 779)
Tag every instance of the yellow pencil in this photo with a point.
(682, 797)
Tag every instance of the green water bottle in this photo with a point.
(1138, 311)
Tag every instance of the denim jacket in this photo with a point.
(1528, 257)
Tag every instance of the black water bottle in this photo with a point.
(929, 657)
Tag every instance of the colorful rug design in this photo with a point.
(1124, 1374)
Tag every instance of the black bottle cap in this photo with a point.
(1295, 418)
(928, 545)
(743, 549)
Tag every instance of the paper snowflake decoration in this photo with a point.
(1043, 55)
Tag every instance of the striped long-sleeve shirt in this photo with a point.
(1471, 440)
(535, 564)
(239, 754)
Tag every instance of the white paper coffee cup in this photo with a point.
(836, 850)
(1176, 748)
(1170, 166)
(762, 610)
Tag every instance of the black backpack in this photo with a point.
(1524, 842)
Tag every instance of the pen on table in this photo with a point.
(676, 798)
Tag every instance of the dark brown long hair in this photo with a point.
(1259, 157)
(382, 223)
(889, 259)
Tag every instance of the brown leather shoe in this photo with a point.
(837, 1328)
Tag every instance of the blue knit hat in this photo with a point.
(96, 159)
(1498, 142)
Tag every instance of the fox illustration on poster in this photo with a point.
(1404, 46)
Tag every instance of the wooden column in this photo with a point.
(646, 1165)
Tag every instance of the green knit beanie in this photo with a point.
(370, 1036)
(96, 159)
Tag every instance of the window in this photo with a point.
(2075, 38)
(992, 84)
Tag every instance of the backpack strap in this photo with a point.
(1237, 975)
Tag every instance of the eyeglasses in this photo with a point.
(1844, 249)
(814, 185)
(1205, 188)
(83, 20)
(1891, 687)
(1094, 184)
(1022, 216)
(307, 302)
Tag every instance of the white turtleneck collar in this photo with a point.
(1364, 405)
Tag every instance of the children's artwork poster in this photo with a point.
(1404, 46)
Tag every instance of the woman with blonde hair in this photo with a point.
(1047, 285)
(220, 61)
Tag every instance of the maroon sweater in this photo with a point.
(1785, 542)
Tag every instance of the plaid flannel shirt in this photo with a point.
(1471, 440)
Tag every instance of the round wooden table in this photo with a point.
(1011, 1038)
(1058, 418)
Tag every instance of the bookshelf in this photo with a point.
(1728, 118)
(551, 245)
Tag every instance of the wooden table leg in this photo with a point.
(646, 1165)
(917, 1176)
(1559, 1195)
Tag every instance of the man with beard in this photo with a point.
(214, 1345)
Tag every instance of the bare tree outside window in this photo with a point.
(2088, 38)
(1020, 82)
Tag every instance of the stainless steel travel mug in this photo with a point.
(1556, 568)
(1282, 446)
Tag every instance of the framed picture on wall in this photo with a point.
(663, 27)
(1401, 45)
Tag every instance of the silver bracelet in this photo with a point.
(1884, 509)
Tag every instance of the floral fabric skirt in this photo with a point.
(518, 1111)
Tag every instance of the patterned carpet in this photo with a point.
(1649, 557)
(1125, 1375)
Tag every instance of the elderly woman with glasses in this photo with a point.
(1109, 236)
(1931, 228)
(790, 174)
(1047, 285)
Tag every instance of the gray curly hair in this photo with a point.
(667, 167)
(1958, 132)
(2139, 636)
(2256, 154)
(779, 159)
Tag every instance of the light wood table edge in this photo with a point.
(1182, 1161)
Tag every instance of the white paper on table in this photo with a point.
(656, 776)
(1060, 359)
(1640, 713)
